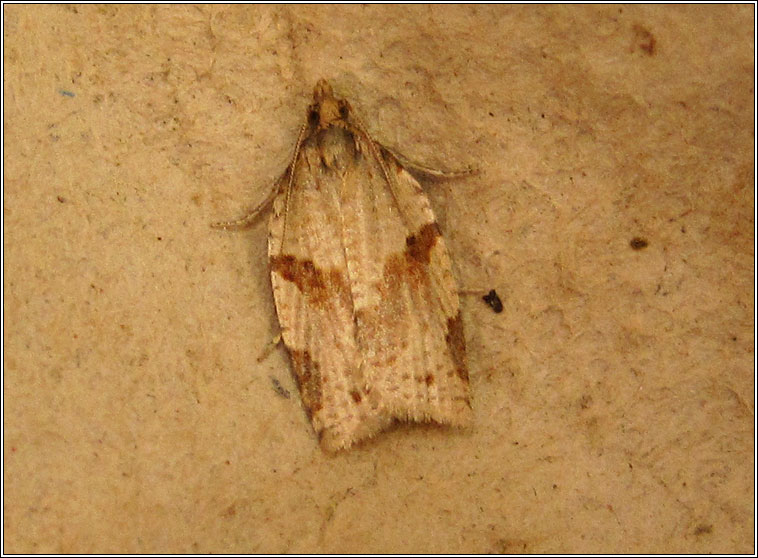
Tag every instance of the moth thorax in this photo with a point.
(337, 147)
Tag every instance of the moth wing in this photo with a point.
(405, 297)
(313, 299)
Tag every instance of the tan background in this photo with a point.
(613, 396)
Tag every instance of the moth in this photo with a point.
(362, 282)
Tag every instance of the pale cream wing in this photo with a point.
(312, 291)
(405, 298)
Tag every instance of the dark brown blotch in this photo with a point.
(418, 247)
(308, 376)
(456, 342)
(317, 285)
(356, 396)
(410, 266)
(645, 40)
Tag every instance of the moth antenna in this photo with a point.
(378, 157)
(250, 218)
(247, 220)
(296, 152)
(430, 171)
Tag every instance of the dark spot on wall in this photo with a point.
(644, 40)
(638, 243)
(703, 529)
(493, 301)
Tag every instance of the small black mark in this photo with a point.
(638, 243)
(61, 199)
(279, 389)
(493, 301)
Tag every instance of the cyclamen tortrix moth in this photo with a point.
(362, 281)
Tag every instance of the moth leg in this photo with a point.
(423, 169)
(252, 216)
(268, 349)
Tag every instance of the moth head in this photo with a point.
(322, 91)
(327, 109)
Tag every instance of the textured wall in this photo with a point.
(613, 396)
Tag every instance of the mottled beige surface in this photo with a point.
(613, 396)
